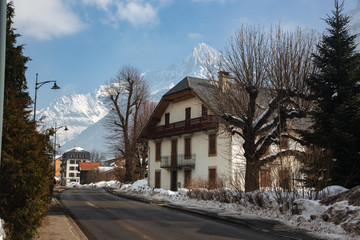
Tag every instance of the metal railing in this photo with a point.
(178, 161)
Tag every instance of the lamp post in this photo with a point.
(38, 85)
(54, 150)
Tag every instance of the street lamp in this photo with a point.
(54, 150)
(38, 85)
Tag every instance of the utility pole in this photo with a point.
(2, 64)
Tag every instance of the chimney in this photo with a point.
(224, 78)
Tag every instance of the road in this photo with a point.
(102, 215)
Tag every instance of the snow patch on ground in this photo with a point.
(2, 229)
(336, 220)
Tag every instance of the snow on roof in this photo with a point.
(105, 169)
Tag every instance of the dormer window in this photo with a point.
(204, 110)
(187, 113)
(167, 118)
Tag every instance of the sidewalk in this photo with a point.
(57, 225)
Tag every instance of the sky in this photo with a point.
(82, 44)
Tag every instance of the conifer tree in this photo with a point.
(25, 173)
(336, 117)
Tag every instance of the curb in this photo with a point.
(75, 230)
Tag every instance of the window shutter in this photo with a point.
(167, 118)
(187, 113)
(187, 147)
(158, 151)
(204, 110)
(157, 179)
(212, 178)
(212, 144)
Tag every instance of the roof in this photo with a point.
(187, 88)
(88, 166)
(198, 85)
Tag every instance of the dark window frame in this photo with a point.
(187, 147)
(188, 113)
(157, 151)
(212, 144)
(167, 118)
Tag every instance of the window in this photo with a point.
(167, 118)
(78, 175)
(77, 161)
(71, 174)
(204, 110)
(158, 152)
(212, 178)
(284, 143)
(187, 180)
(72, 161)
(187, 148)
(187, 113)
(173, 152)
(72, 168)
(212, 144)
(265, 180)
(157, 178)
(284, 178)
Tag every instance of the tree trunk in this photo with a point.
(252, 175)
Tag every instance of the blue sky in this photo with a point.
(83, 43)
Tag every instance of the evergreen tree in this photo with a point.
(25, 173)
(336, 117)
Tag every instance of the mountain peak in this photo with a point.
(202, 51)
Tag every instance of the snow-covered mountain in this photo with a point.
(161, 81)
(83, 113)
(76, 111)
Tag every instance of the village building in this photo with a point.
(70, 164)
(188, 144)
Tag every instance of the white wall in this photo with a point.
(199, 146)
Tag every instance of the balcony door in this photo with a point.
(173, 180)
(173, 152)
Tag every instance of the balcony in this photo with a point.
(178, 161)
(184, 127)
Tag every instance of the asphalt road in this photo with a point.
(101, 215)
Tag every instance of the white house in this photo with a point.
(70, 164)
(187, 142)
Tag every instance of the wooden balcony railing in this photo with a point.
(178, 161)
(183, 127)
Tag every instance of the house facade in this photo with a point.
(188, 145)
(186, 142)
(70, 164)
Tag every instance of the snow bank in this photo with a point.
(103, 184)
(2, 230)
(337, 219)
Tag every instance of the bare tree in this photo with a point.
(96, 156)
(125, 96)
(145, 111)
(264, 89)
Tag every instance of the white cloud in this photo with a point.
(45, 20)
(137, 12)
(207, 1)
(194, 35)
(102, 4)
